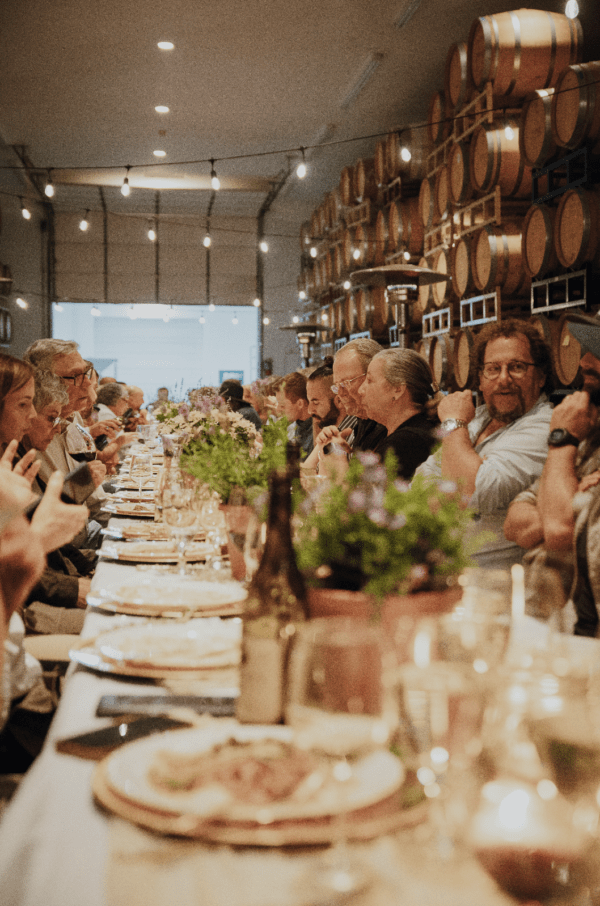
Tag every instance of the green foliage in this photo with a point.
(391, 535)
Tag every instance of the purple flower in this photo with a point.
(357, 501)
(418, 572)
(402, 486)
(375, 474)
(368, 458)
(184, 410)
(447, 487)
(378, 515)
(398, 521)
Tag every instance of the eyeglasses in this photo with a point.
(77, 379)
(54, 422)
(515, 369)
(343, 385)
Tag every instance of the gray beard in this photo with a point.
(505, 418)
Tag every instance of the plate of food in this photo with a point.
(247, 782)
(170, 596)
(153, 648)
(152, 551)
(129, 508)
(133, 530)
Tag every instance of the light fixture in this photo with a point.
(256, 302)
(158, 153)
(214, 179)
(151, 232)
(356, 254)
(95, 311)
(83, 223)
(542, 93)
(295, 319)
(161, 108)
(264, 246)
(25, 212)
(266, 322)
(407, 256)
(572, 9)
(202, 319)
(22, 303)
(234, 320)
(165, 45)
(509, 132)
(366, 73)
(207, 241)
(313, 251)
(301, 168)
(405, 154)
(302, 295)
(211, 307)
(49, 190)
(131, 312)
(126, 188)
(58, 307)
(324, 317)
(347, 284)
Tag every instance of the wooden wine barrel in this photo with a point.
(495, 160)
(334, 208)
(423, 301)
(310, 281)
(371, 309)
(380, 163)
(441, 359)
(522, 50)
(576, 107)
(457, 78)
(337, 269)
(427, 202)
(346, 186)
(365, 184)
(329, 267)
(577, 228)
(411, 153)
(442, 294)
(439, 117)
(405, 226)
(315, 225)
(536, 141)
(462, 352)
(305, 236)
(422, 347)
(441, 192)
(347, 247)
(350, 318)
(365, 243)
(460, 268)
(566, 352)
(460, 186)
(381, 232)
(331, 319)
(539, 254)
(393, 161)
(496, 259)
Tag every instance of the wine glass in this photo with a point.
(342, 704)
(140, 469)
(181, 511)
(213, 522)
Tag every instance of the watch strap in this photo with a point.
(560, 437)
(451, 424)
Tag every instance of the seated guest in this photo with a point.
(322, 408)
(135, 401)
(106, 380)
(162, 397)
(293, 402)
(257, 396)
(496, 451)
(112, 401)
(233, 394)
(399, 393)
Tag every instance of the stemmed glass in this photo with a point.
(181, 511)
(213, 522)
(140, 469)
(341, 704)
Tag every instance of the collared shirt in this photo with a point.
(513, 457)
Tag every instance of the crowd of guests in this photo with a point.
(530, 472)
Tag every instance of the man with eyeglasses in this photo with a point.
(499, 449)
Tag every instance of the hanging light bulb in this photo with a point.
(234, 320)
(264, 246)
(49, 190)
(324, 318)
(347, 284)
(25, 212)
(266, 322)
(161, 108)
(58, 307)
(295, 319)
(211, 307)
(152, 232)
(165, 45)
(126, 188)
(207, 241)
(301, 168)
(202, 319)
(214, 179)
(313, 251)
(572, 9)
(22, 303)
(83, 223)
(256, 302)
(405, 154)
(302, 295)
(407, 256)
(159, 153)
(356, 254)
(95, 311)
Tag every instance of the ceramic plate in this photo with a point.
(159, 595)
(152, 551)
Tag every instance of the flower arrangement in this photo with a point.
(379, 534)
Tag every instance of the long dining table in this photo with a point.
(60, 847)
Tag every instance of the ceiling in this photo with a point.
(248, 83)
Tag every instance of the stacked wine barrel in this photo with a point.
(516, 97)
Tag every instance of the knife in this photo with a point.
(98, 743)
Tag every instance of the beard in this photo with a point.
(329, 419)
(506, 416)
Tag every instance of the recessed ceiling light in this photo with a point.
(160, 108)
(160, 153)
(166, 45)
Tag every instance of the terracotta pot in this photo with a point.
(399, 613)
(236, 520)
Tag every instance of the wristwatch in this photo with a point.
(451, 424)
(560, 437)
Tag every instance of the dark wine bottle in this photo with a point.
(276, 603)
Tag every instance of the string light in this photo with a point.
(95, 311)
(301, 168)
(572, 9)
(214, 179)
(21, 302)
(234, 320)
(509, 132)
(302, 295)
(126, 188)
(58, 307)
(356, 254)
(313, 251)
(161, 108)
(211, 307)
(407, 256)
(202, 319)
(25, 212)
(158, 153)
(83, 223)
(347, 284)
(405, 154)
(295, 319)
(256, 302)
(165, 45)
(264, 246)
(266, 322)
(207, 241)
(151, 232)
(49, 190)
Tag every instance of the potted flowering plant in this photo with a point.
(374, 538)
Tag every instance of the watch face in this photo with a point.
(560, 437)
